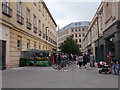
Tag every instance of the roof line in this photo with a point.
(49, 12)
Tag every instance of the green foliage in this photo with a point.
(69, 46)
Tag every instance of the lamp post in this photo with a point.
(46, 37)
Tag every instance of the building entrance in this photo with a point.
(3, 54)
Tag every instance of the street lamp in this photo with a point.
(46, 37)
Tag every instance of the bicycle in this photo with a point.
(61, 65)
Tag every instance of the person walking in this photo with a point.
(80, 61)
(85, 58)
(70, 57)
(110, 60)
(74, 59)
(115, 66)
(92, 60)
(35, 61)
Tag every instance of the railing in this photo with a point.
(29, 25)
(35, 29)
(20, 19)
(6, 10)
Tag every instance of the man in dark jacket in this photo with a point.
(85, 60)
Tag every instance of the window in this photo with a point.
(101, 21)
(76, 30)
(19, 7)
(19, 13)
(75, 35)
(46, 14)
(28, 44)
(79, 29)
(6, 9)
(40, 46)
(6, 2)
(28, 15)
(83, 34)
(39, 6)
(43, 46)
(34, 20)
(39, 28)
(43, 28)
(107, 11)
(39, 25)
(43, 10)
(34, 24)
(83, 29)
(28, 19)
(80, 46)
(34, 45)
(72, 30)
(76, 40)
(79, 35)
(80, 40)
(19, 44)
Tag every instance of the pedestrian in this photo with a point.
(88, 57)
(35, 61)
(80, 61)
(74, 58)
(92, 60)
(53, 59)
(70, 57)
(115, 66)
(110, 60)
(85, 58)
(59, 59)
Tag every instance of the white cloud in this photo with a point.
(67, 12)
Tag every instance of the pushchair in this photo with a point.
(103, 67)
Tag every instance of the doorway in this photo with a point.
(3, 50)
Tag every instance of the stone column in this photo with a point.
(117, 45)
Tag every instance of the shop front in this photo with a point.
(112, 40)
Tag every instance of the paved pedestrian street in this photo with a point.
(47, 77)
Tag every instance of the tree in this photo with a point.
(69, 46)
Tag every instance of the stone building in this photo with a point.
(76, 29)
(104, 32)
(25, 25)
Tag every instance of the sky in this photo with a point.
(64, 12)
